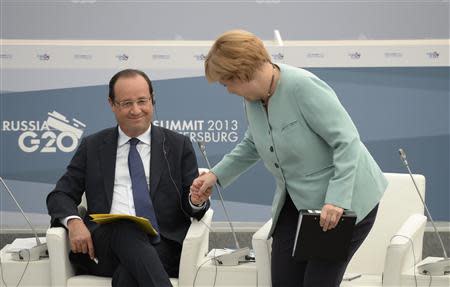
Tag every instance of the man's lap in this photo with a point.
(122, 241)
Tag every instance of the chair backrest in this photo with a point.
(399, 201)
(195, 247)
(82, 207)
(262, 247)
(404, 250)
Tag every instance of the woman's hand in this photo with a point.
(329, 216)
(201, 187)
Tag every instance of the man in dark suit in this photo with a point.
(138, 169)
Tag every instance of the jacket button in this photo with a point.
(276, 165)
(271, 148)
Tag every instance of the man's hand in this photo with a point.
(80, 238)
(329, 216)
(201, 188)
(200, 198)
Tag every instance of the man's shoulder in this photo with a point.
(172, 135)
(102, 135)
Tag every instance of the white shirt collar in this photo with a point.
(144, 137)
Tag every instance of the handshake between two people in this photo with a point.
(201, 187)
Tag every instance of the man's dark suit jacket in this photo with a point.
(92, 171)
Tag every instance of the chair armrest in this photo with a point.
(58, 250)
(262, 246)
(404, 250)
(263, 232)
(195, 248)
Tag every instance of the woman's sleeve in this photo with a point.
(241, 158)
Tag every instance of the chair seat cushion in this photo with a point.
(97, 281)
(89, 281)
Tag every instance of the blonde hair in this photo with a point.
(236, 54)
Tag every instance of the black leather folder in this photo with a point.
(311, 242)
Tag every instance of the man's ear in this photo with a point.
(153, 98)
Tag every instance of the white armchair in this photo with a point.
(383, 256)
(195, 247)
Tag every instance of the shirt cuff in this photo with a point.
(66, 219)
(196, 207)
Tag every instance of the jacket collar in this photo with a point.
(158, 159)
(108, 152)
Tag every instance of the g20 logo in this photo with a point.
(48, 141)
(57, 133)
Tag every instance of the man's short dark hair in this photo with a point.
(128, 73)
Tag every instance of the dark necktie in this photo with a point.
(142, 202)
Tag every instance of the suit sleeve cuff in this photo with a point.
(66, 219)
(196, 207)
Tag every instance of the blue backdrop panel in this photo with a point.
(392, 108)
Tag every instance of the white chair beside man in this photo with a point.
(387, 251)
(195, 247)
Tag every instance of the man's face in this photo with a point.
(132, 105)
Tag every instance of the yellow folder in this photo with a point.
(142, 222)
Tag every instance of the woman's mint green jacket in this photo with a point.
(310, 145)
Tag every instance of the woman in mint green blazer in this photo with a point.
(307, 141)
